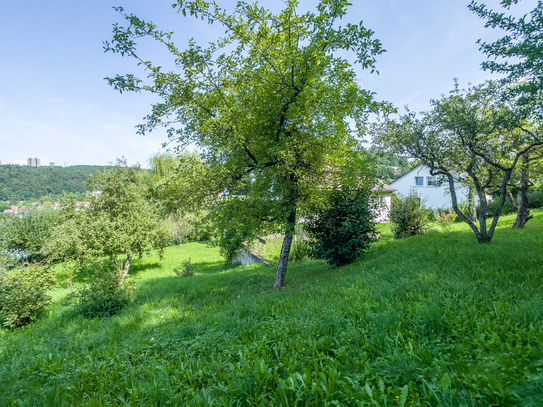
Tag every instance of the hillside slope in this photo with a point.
(433, 320)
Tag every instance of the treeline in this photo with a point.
(390, 167)
(21, 183)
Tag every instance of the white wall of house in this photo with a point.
(423, 183)
(382, 200)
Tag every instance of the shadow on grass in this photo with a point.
(135, 269)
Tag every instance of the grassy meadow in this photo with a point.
(433, 320)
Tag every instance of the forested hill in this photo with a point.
(20, 183)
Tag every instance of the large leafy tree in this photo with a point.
(470, 136)
(518, 55)
(273, 102)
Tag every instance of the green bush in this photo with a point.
(106, 293)
(343, 230)
(23, 295)
(408, 216)
(535, 199)
(493, 207)
(186, 269)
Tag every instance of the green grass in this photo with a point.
(433, 320)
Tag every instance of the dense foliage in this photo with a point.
(408, 216)
(21, 183)
(388, 168)
(343, 229)
(24, 295)
(27, 236)
(536, 199)
(176, 185)
(119, 223)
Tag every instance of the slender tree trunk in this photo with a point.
(464, 217)
(523, 213)
(127, 264)
(483, 209)
(512, 200)
(503, 195)
(471, 205)
(285, 252)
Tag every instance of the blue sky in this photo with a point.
(55, 104)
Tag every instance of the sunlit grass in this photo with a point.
(457, 322)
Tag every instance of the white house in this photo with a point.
(423, 183)
(382, 196)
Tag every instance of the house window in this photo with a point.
(419, 181)
(431, 181)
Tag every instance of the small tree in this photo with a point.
(119, 222)
(178, 186)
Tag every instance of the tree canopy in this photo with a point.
(273, 102)
(518, 54)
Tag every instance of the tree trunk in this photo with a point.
(285, 252)
(483, 209)
(512, 200)
(127, 264)
(523, 213)
(472, 210)
(503, 195)
(464, 217)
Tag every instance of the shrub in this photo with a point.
(23, 295)
(408, 216)
(106, 293)
(186, 269)
(446, 219)
(343, 230)
(493, 206)
(535, 199)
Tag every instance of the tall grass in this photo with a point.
(432, 320)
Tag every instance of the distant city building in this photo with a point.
(52, 164)
(33, 162)
(67, 164)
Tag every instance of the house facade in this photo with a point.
(426, 186)
(381, 195)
